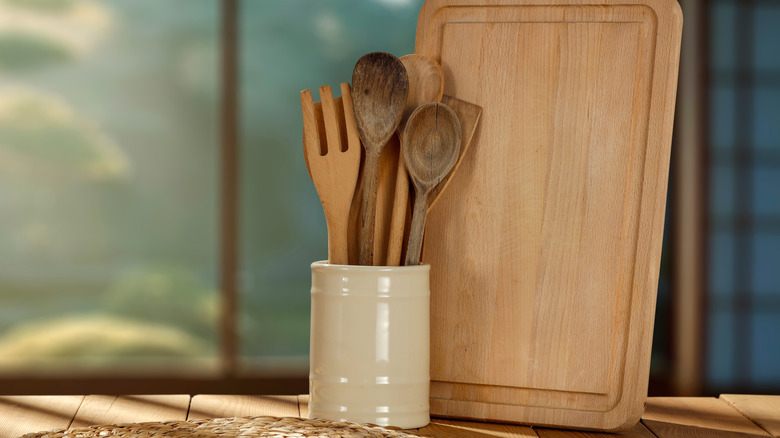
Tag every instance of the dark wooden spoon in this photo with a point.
(380, 87)
(431, 148)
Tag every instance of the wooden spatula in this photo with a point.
(468, 114)
(333, 160)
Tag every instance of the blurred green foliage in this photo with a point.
(107, 182)
(45, 6)
(165, 295)
(85, 341)
(21, 52)
(41, 136)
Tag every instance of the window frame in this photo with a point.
(744, 304)
(692, 224)
(689, 202)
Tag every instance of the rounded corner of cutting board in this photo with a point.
(423, 18)
(669, 8)
(624, 415)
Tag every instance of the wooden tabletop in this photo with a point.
(726, 416)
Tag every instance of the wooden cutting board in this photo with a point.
(545, 249)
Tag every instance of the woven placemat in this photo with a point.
(232, 427)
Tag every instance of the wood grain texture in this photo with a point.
(450, 428)
(381, 86)
(387, 190)
(545, 248)
(426, 84)
(333, 160)
(697, 417)
(28, 414)
(303, 405)
(353, 140)
(764, 410)
(431, 149)
(397, 236)
(109, 409)
(670, 417)
(220, 406)
(469, 115)
(638, 431)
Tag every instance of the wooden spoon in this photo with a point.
(426, 84)
(380, 86)
(432, 150)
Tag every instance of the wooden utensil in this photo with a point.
(432, 149)
(387, 189)
(380, 87)
(350, 127)
(468, 115)
(426, 84)
(333, 161)
(545, 247)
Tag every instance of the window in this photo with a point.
(158, 222)
(743, 349)
(108, 136)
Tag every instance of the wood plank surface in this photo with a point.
(697, 417)
(28, 414)
(664, 417)
(638, 431)
(216, 406)
(764, 410)
(109, 409)
(451, 428)
(545, 248)
(303, 405)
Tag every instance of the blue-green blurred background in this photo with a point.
(110, 185)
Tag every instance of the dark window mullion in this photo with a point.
(229, 159)
(743, 221)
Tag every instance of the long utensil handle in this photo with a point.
(420, 211)
(337, 244)
(395, 241)
(368, 216)
(353, 141)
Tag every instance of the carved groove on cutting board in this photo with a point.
(558, 156)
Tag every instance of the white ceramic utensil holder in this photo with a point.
(370, 348)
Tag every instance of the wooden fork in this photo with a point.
(332, 154)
